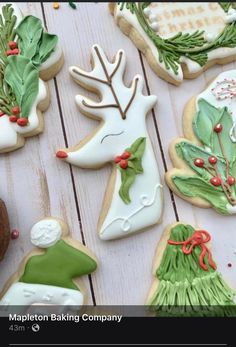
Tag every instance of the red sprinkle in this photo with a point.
(2, 113)
(22, 122)
(212, 160)
(231, 180)
(61, 154)
(199, 162)
(124, 164)
(218, 128)
(15, 234)
(12, 44)
(117, 159)
(9, 52)
(215, 181)
(15, 51)
(13, 119)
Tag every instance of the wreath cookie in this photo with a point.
(180, 40)
(205, 160)
(134, 196)
(49, 274)
(187, 282)
(4, 230)
(28, 55)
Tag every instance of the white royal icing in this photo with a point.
(231, 16)
(171, 18)
(25, 294)
(9, 131)
(46, 233)
(221, 93)
(145, 193)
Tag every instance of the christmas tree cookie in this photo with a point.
(4, 230)
(133, 199)
(180, 40)
(204, 161)
(28, 57)
(50, 273)
(187, 282)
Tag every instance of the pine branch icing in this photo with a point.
(213, 162)
(23, 49)
(193, 48)
(133, 199)
(188, 281)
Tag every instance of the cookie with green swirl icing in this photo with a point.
(187, 282)
(50, 274)
(204, 160)
(28, 57)
(180, 40)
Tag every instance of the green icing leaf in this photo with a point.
(134, 168)
(226, 5)
(189, 152)
(46, 45)
(203, 124)
(23, 78)
(29, 33)
(194, 186)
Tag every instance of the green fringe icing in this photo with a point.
(185, 289)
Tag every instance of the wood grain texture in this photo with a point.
(34, 184)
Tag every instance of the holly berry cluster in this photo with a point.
(123, 160)
(14, 118)
(199, 162)
(13, 48)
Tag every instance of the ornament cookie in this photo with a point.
(205, 160)
(28, 57)
(133, 199)
(180, 40)
(187, 282)
(49, 274)
(4, 230)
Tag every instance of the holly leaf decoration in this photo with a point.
(213, 180)
(23, 78)
(134, 168)
(33, 42)
(226, 5)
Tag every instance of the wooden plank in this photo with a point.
(125, 265)
(34, 184)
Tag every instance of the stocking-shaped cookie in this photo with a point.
(49, 274)
(28, 55)
(204, 161)
(180, 39)
(186, 279)
(134, 198)
(4, 229)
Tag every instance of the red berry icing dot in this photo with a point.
(212, 160)
(22, 122)
(117, 159)
(218, 128)
(124, 163)
(231, 180)
(2, 113)
(15, 234)
(61, 154)
(12, 44)
(15, 110)
(199, 162)
(215, 181)
(13, 119)
(125, 155)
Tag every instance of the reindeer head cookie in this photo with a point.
(134, 199)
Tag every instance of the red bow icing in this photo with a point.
(197, 239)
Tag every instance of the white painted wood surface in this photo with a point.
(34, 184)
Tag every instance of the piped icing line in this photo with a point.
(19, 114)
(122, 140)
(49, 277)
(204, 46)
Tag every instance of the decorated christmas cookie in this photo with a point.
(205, 160)
(180, 39)
(187, 282)
(133, 199)
(28, 55)
(49, 274)
(4, 229)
